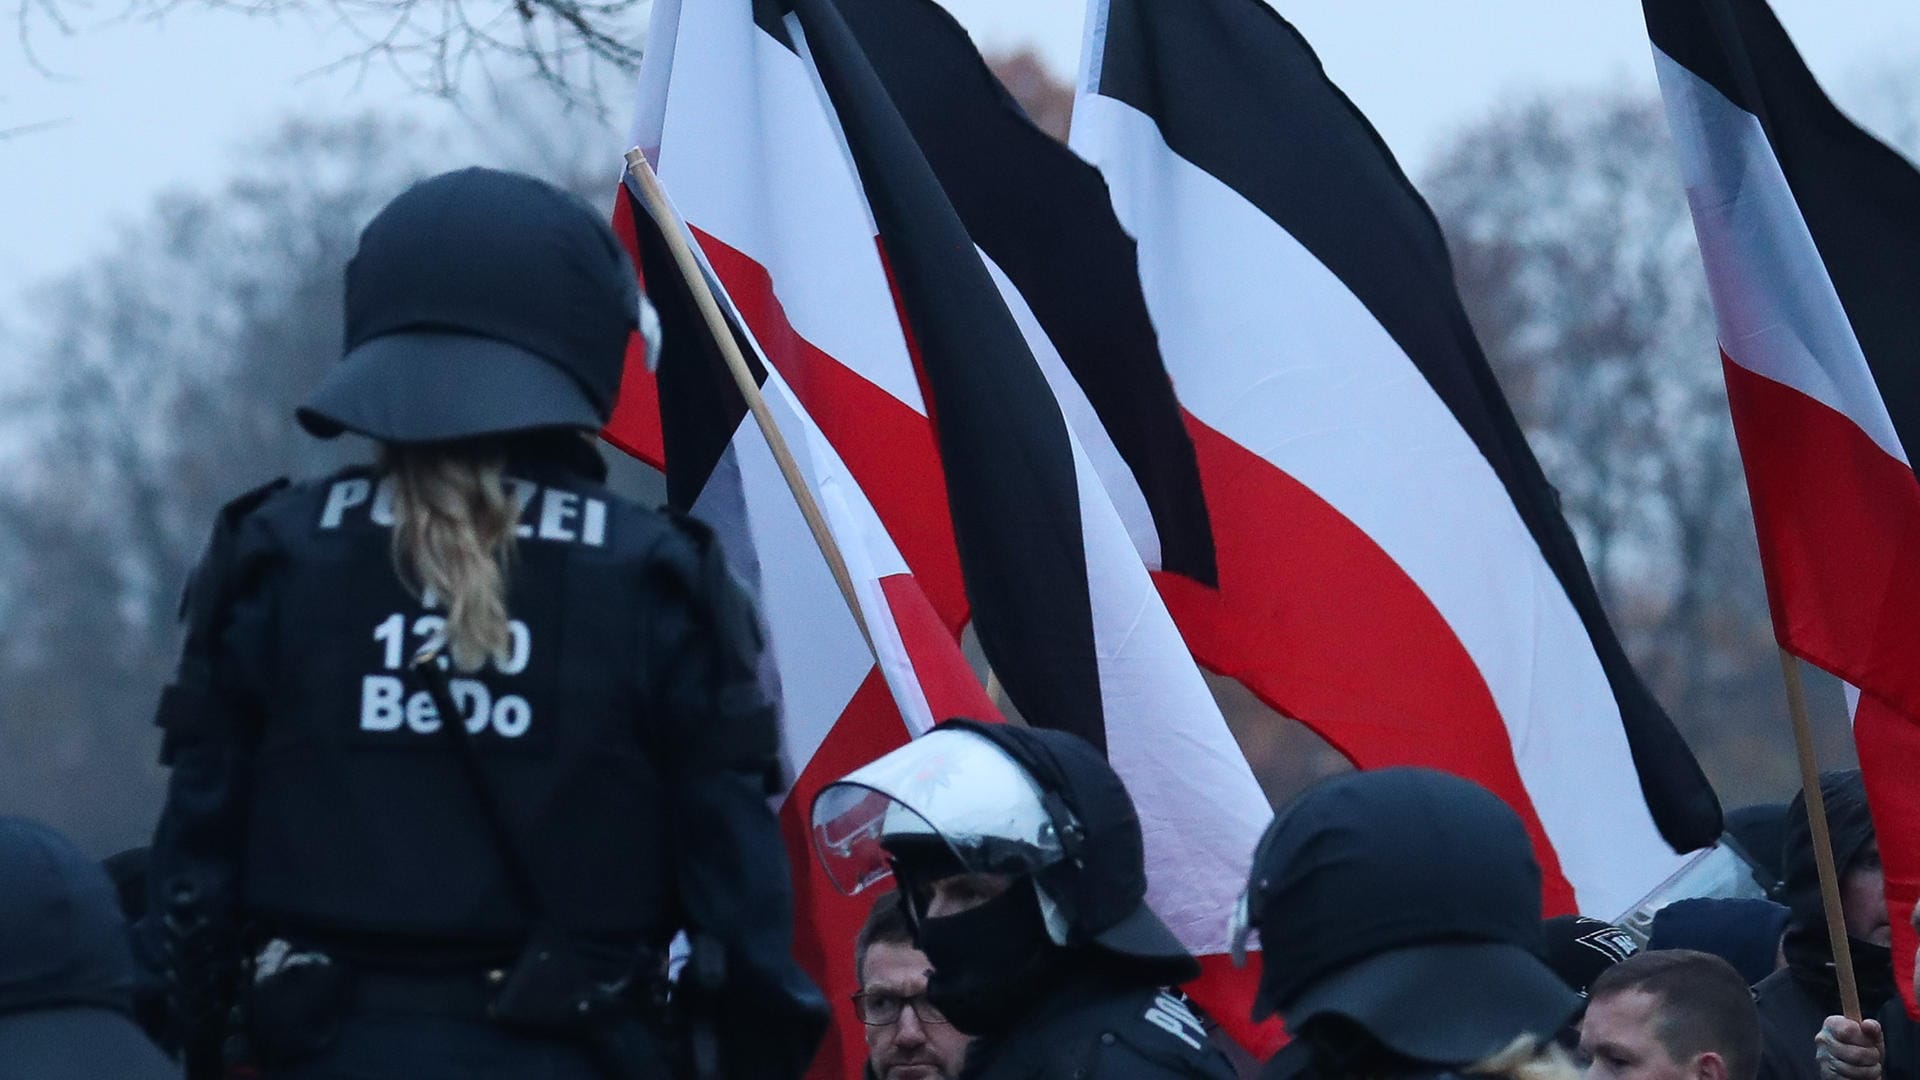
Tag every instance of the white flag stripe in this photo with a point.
(750, 158)
(1115, 476)
(815, 644)
(1201, 810)
(1268, 347)
(868, 551)
(1774, 302)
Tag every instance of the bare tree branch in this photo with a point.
(433, 46)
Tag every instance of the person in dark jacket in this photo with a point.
(907, 1038)
(384, 889)
(1796, 1000)
(1671, 1014)
(67, 973)
(1886, 1048)
(1399, 919)
(1019, 855)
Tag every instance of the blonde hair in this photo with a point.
(1527, 1058)
(453, 534)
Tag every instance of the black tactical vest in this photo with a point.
(361, 820)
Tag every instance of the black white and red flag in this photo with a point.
(758, 160)
(1810, 231)
(1066, 269)
(840, 707)
(1393, 569)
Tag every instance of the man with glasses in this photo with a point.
(907, 1039)
(1021, 870)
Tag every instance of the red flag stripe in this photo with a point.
(1839, 526)
(885, 443)
(1301, 376)
(1369, 664)
(1889, 744)
(826, 922)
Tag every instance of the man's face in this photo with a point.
(1915, 923)
(1619, 1037)
(963, 892)
(910, 1048)
(1863, 899)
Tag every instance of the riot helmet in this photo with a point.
(480, 303)
(1020, 802)
(1402, 904)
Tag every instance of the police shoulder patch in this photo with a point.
(1170, 1012)
(1164, 1037)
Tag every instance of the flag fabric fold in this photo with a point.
(1043, 221)
(730, 115)
(840, 708)
(1393, 569)
(1809, 229)
(755, 153)
(1063, 605)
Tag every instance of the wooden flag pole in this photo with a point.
(1822, 839)
(663, 215)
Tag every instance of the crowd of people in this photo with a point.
(343, 886)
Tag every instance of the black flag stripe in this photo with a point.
(1005, 447)
(707, 408)
(1236, 91)
(1045, 218)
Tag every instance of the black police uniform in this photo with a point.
(1370, 984)
(314, 800)
(1096, 1030)
(424, 904)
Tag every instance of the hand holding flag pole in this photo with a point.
(648, 187)
(1822, 839)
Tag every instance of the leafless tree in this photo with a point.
(1576, 257)
(158, 382)
(160, 386)
(435, 46)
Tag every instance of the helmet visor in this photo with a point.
(953, 794)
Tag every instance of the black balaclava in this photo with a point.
(991, 963)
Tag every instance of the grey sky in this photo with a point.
(141, 106)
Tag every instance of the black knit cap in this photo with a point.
(1404, 902)
(1579, 948)
(479, 303)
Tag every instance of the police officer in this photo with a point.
(1019, 854)
(416, 895)
(1399, 914)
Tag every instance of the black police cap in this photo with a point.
(1406, 901)
(479, 303)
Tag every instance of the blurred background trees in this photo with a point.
(1575, 254)
(156, 382)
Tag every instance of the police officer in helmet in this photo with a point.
(1399, 914)
(1019, 854)
(345, 882)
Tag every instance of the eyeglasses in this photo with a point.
(877, 1009)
